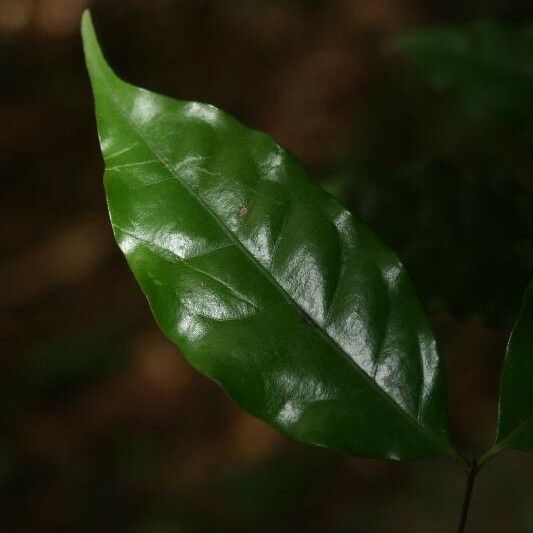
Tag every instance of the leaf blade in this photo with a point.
(266, 283)
(515, 421)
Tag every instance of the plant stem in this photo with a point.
(474, 469)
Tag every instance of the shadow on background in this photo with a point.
(425, 133)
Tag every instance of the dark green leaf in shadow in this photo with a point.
(267, 284)
(486, 66)
(515, 424)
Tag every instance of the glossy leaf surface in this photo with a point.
(515, 425)
(264, 281)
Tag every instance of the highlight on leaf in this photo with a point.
(515, 424)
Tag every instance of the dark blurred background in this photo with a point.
(418, 115)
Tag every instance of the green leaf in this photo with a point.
(515, 424)
(486, 66)
(264, 281)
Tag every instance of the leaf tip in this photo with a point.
(87, 27)
(94, 57)
(86, 17)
